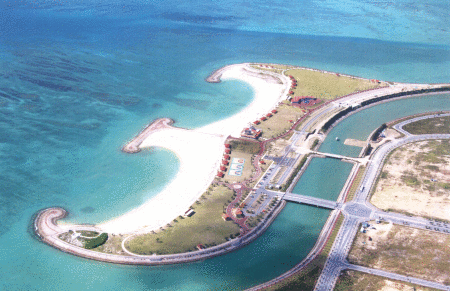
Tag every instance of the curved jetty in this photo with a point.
(215, 76)
(47, 228)
(133, 146)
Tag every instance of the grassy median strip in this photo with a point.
(205, 227)
(356, 182)
(350, 280)
(306, 279)
(429, 126)
(294, 173)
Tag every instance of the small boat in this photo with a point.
(337, 138)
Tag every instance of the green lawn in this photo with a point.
(355, 186)
(327, 86)
(279, 122)
(205, 227)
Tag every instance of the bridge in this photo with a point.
(339, 157)
(318, 202)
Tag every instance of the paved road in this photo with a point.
(360, 210)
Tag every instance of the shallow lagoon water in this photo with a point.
(79, 80)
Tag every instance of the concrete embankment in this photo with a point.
(158, 124)
(48, 230)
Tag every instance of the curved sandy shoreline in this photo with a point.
(199, 151)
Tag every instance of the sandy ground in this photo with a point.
(392, 193)
(199, 151)
(355, 142)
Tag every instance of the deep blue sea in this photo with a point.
(80, 78)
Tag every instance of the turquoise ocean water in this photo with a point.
(79, 79)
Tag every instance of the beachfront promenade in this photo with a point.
(49, 230)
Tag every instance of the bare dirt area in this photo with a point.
(416, 180)
(357, 281)
(403, 250)
(355, 142)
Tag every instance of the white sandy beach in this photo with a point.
(200, 153)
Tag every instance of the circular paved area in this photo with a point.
(357, 209)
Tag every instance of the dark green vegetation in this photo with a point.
(91, 243)
(378, 131)
(306, 279)
(429, 126)
(294, 173)
(314, 144)
(350, 280)
(205, 227)
(404, 250)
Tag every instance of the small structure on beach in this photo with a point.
(222, 168)
(225, 162)
(252, 132)
(189, 212)
(226, 157)
(228, 146)
(220, 174)
(227, 151)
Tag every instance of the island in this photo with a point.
(237, 174)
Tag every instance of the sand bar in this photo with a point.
(199, 151)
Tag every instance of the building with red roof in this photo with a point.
(226, 217)
(222, 168)
(220, 174)
(227, 151)
(252, 132)
(225, 162)
(274, 111)
(228, 146)
(226, 157)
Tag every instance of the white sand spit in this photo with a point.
(200, 153)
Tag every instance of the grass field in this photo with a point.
(205, 227)
(404, 250)
(279, 122)
(350, 280)
(429, 126)
(306, 279)
(327, 86)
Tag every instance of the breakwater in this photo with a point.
(47, 229)
(158, 124)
